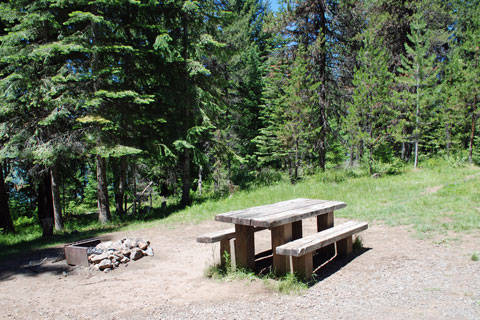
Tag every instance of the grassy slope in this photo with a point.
(430, 199)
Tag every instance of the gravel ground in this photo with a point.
(395, 277)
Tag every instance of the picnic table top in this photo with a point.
(280, 213)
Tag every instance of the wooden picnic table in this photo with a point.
(284, 219)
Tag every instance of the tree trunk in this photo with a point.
(370, 159)
(57, 207)
(472, 134)
(134, 182)
(448, 138)
(102, 191)
(322, 150)
(351, 157)
(5, 218)
(359, 154)
(187, 98)
(417, 116)
(200, 181)
(45, 205)
(296, 160)
(120, 176)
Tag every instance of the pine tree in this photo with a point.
(466, 57)
(418, 77)
(370, 118)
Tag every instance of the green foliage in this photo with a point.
(370, 119)
(475, 257)
(357, 244)
(288, 284)
(233, 93)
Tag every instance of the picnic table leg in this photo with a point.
(325, 221)
(345, 246)
(297, 232)
(225, 247)
(244, 246)
(281, 235)
(303, 266)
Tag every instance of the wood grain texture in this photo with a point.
(224, 247)
(220, 235)
(297, 230)
(321, 239)
(325, 221)
(280, 213)
(244, 246)
(344, 246)
(280, 235)
(303, 266)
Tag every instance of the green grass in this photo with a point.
(288, 284)
(405, 199)
(435, 199)
(475, 256)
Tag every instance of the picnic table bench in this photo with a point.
(284, 219)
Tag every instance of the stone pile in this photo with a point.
(108, 255)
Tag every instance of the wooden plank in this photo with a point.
(258, 219)
(297, 215)
(220, 235)
(225, 247)
(316, 241)
(245, 216)
(217, 236)
(281, 235)
(258, 209)
(325, 221)
(297, 230)
(344, 246)
(303, 266)
(245, 246)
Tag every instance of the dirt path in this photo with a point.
(396, 277)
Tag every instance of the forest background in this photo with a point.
(106, 105)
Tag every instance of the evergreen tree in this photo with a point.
(370, 118)
(466, 64)
(418, 77)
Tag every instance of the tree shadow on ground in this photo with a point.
(25, 257)
(147, 213)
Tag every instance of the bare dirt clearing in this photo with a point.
(397, 276)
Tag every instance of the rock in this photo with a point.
(98, 258)
(125, 252)
(136, 254)
(118, 256)
(143, 244)
(130, 243)
(107, 270)
(104, 245)
(104, 264)
(117, 245)
(148, 252)
(93, 250)
(116, 264)
(125, 260)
